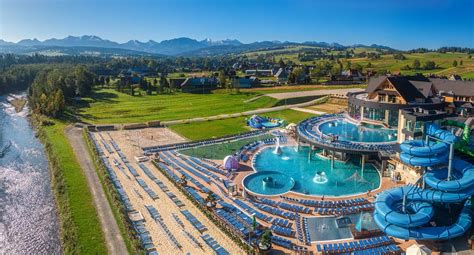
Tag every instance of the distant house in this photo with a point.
(258, 72)
(352, 74)
(282, 75)
(455, 77)
(129, 77)
(176, 82)
(246, 82)
(199, 84)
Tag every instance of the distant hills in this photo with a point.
(183, 46)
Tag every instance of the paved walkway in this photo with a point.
(309, 111)
(113, 237)
(321, 92)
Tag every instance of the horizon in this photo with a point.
(405, 25)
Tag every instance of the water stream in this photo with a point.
(28, 219)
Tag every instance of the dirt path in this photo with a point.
(113, 237)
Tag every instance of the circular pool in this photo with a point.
(268, 183)
(348, 131)
(311, 177)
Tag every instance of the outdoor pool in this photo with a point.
(311, 177)
(347, 131)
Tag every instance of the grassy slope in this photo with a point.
(216, 128)
(109, 106)
(387, 62)
(77, 197)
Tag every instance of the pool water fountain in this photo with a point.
(320, 177)
(268, 182)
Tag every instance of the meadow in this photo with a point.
(217, 128)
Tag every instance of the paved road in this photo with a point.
(113, 237)
(320, 92)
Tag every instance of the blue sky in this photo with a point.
(401, 24)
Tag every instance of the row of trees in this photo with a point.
(427, 65)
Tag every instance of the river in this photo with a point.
(28, 218)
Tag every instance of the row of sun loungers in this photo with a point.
(302, 230)
(157, 217)
(282, 231)
(286, 206)
(142, 233)
(150, 175)
(275, 211)
(282, 222)
(250, 210)
(353, 246)
(219, 250)
(154, 149)
(345, 210)
(194, 221)
(147, 189)
(329, 204)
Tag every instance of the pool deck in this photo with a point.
(129, 141)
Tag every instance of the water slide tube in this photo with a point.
(422, 153)
(413, 222)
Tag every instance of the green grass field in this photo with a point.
(217, 128)
(387, 62)
(83, 234)
(109, 106)
(220, 151)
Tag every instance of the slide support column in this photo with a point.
(450, 163)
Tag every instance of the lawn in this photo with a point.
(81, 229)
(110, 106)
(220, 151)
(217, 128)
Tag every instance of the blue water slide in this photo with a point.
(462, 176)
(421, 153)
(413, 220)
(429, 232)
(413, 223)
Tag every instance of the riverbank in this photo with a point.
(80, 229)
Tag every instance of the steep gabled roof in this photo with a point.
(374, 83)
(423, 87)
(405, 88)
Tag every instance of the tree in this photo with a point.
(429, 65)
(460, 62)
(455, 63)
(348, 65)
(58, 103)
(369, 65)
(222, 79)
(416, 64)
(163, 83)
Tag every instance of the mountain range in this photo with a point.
(183, 46)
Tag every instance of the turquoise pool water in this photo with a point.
(269, 183)
(348, 131)
(344, 179)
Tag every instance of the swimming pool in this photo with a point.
(347, 131)
(345, 179)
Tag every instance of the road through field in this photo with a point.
(113, 237)
(321, 92)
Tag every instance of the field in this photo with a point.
(388, 63)
(220, 151)
(81, 230)
(216, 128)
(109, 106)
(333, 105)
